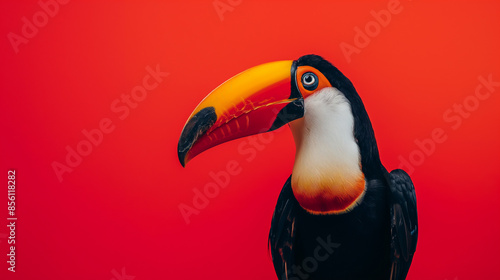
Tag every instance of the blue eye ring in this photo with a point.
(309, 81)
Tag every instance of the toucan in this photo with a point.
(341, 214)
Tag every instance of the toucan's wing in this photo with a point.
(281, 235)
(404, 225)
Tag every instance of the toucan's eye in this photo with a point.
(310, 81)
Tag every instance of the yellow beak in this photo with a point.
(257, 100)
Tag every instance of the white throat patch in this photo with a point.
(327, 162)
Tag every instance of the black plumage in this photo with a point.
(376, 240)
(365, 225)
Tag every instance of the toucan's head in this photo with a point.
(266, 97)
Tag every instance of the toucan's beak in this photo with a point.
(257, 100)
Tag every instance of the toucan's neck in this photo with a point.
(327, 175)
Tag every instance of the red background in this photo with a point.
(119, 207)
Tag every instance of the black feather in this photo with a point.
(377, 239)
(282, 232)
(404, 222)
